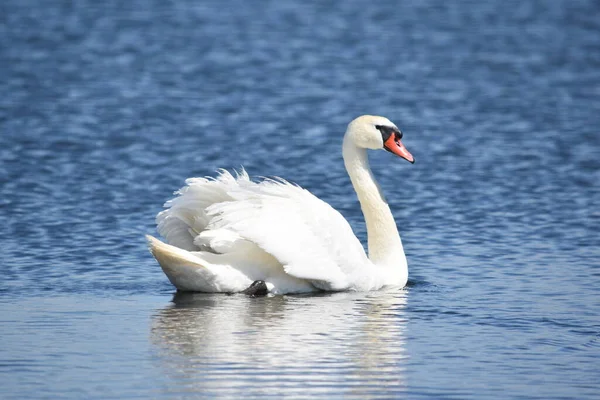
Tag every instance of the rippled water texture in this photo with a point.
(107, 107)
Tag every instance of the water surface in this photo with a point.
(107, 108)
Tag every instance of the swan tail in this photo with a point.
(168, 255)
(185, 270)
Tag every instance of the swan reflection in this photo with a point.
(236, 345)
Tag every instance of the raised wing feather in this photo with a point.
(311, 239)
(186, 217)
(307, 236)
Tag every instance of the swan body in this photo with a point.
(227, 232)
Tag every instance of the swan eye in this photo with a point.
(387, 131)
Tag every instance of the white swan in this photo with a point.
(228, 232)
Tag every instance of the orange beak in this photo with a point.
(394, 145)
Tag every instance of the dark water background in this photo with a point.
(106, 107)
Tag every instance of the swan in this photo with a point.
(227, 233)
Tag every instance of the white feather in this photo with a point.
(226, 232)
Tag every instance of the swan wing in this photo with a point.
(310, 239)
(307, 236)
(185, 217)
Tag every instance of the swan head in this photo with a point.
(376, 133)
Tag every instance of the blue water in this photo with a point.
(107, 107)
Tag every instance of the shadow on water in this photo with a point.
(419, 283)
(283, 342)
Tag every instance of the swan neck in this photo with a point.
(384, 243)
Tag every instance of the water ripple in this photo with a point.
(108, 107)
